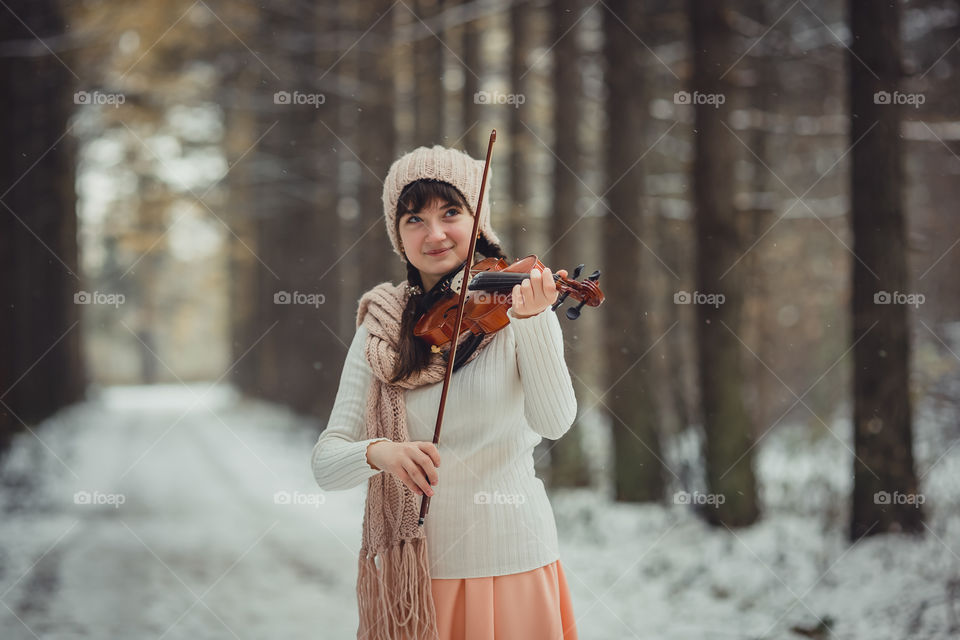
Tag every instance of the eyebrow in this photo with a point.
(446, 205)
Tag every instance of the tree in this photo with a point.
(428, 98)
(728, 434)
(638, 471)
(472, 126)
(376, 139)
(286, 347)
(41, 369)
(568, 465)
(883, 467)
(521, 44)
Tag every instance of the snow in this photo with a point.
(200, 519)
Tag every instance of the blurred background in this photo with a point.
(766, 438)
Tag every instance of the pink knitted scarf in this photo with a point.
(393, 579)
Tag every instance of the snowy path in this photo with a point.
(203, 547)
(200, 548)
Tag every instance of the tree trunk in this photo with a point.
(472, 112)
(638, 472)
(41, 369)
(295, 351)
(728, 433)
(240, 96)
(520, 138)
(884, 479)
(568, 466)
(428, 98)
(760, 314)
(376, 137)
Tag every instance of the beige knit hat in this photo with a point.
(439, 163)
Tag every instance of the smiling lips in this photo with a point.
(438, 252)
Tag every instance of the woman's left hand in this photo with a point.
(535, 294)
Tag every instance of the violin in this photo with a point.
(488, 299)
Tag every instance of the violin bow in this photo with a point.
(425, 499)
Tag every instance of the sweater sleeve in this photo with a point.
(339, 458)
(549, 402)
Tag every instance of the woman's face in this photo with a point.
(436, 239)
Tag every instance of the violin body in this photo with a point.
(488, 299)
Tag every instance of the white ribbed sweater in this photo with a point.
(489, 514)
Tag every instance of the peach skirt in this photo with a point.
(533, 605)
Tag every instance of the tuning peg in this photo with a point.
(577, 271)
(594, 276)
(556, 305)
(574, 312)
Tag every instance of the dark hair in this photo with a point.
(413, 354)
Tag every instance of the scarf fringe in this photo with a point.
(394, 602)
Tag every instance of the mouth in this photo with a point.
(438, 252)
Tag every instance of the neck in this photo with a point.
(428, 281)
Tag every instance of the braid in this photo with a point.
(413, 354)
(413, 276)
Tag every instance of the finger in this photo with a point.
(536, 281)
(431, 450)
(416, 473)
(536, 284)
(526, 287)
(518, 296)
(549, 286)
(553, 292)
(426, 465)
(529, 295)
(404, 477)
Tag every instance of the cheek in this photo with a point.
(464, 229)
(406, 236)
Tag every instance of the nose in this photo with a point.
(436, 232)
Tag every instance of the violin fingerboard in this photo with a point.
(497, 281)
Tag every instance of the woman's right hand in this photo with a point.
(413, 463)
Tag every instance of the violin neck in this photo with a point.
(499, 281)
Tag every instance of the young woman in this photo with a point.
(485, 563)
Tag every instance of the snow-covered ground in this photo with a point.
(188, 512)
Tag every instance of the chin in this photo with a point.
(442, 267)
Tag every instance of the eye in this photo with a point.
(411, 218)
(454, 210)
